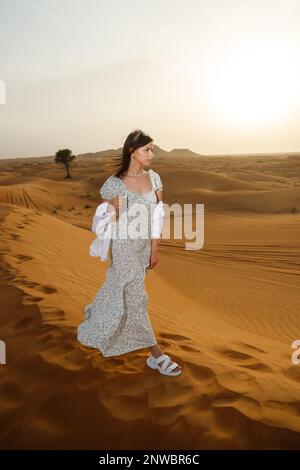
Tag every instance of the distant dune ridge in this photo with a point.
(227, 313)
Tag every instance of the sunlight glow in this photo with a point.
(255, 89)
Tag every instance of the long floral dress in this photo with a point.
(117, 320)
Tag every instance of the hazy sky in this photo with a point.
(214, 76)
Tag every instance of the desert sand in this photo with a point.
(227, 313)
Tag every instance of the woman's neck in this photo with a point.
(135, 169)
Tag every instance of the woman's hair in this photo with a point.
(134, 140)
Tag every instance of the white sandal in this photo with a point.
(153, 362)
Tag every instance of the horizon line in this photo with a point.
(167, 151)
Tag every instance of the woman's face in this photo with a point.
(144, 154)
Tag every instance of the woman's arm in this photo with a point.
(155, 241)
(114, 204)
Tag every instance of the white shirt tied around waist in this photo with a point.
(102, 227)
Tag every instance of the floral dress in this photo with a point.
(117, 321)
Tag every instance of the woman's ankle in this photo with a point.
(156, 351)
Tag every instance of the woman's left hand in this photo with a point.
(153, 259)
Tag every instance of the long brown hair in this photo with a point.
(134, 140)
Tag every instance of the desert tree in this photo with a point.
(65, 157)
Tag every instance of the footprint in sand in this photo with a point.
(45, 289)
(26, 322)
(183, 342)
(251, 347)
(24, 257)
(244, 360)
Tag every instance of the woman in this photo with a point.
(117, 320)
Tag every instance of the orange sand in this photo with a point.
(227, 313)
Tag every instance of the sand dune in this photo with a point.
(227, 313)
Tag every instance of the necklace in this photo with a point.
(140, 174)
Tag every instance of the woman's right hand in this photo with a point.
(115, 203)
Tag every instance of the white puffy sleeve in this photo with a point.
(157, 220)
(157, 181)
(109, 188)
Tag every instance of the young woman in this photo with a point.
(117, 320)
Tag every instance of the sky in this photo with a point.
(213, 76)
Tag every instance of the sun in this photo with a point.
(254, 89)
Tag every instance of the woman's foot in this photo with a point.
(156, 352)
